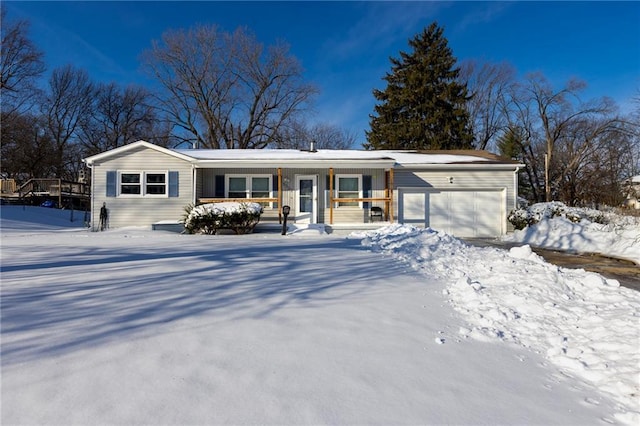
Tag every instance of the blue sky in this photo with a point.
(345, 47)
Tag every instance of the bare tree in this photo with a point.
(571, 147)
(26, 147)
(224, 90)
(67, 104)
(21, 65)
(488, 86)
(592, 156)
(549, 117)
(298, 135)
(119, 116)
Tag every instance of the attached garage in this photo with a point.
(463, 212)
(468, 194)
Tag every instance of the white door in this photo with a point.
(463, 213)
(306, 199)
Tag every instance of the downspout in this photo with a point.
(93, 192)
(391, 183)
(515, 187)
(193, 184)
(280, 195)
(330, 195)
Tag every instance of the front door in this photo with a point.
(306, 199)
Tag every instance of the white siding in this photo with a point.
(140, 211)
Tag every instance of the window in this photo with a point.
(130, 183)
(252, 186)
(349, 186)
(237, 187)
(156, 183)
(143, 183)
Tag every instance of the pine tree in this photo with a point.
(510, 144)
(423, 106)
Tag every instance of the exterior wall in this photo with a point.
(206, 188)
(140, 211)
(460, 179)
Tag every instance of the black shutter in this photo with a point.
(219, 186)
(274, 187)
(366, 189)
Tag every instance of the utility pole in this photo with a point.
(547, 187)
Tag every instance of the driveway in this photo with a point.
(626, 272)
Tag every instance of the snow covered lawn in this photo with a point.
(399, 326)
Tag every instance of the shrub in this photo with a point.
(520, 218)
(241, 218)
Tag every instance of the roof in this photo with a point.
(320, 158)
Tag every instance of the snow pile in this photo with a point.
(618, 237)
(585, 324)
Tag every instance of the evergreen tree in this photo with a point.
(423, 106)
(511, 143)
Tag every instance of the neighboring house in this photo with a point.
(631, 191)
(466, 193)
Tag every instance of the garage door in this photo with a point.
(464, 213)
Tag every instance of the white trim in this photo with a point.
(143, 183)
(503, 191)
(248, 184)
(337, 189)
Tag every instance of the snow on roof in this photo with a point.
(408, 158)
(386, 158)
(400, 157)
(281, 154)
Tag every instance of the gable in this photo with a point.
(139, 157)
(133, 147)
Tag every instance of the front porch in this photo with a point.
(338, 198)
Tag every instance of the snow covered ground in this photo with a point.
(396, 326)
(620, 237)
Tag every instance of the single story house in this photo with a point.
(467, 193)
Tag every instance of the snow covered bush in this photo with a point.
(520, 218)
(241, 218)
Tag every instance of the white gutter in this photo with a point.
(193, 184)
(294, 164)
(461, 166)
(93, 192)
(515, 187)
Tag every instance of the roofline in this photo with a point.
(485, 160)
(297, 163)
(463, 165)
(92, 159)
(472, 153)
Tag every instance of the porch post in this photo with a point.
(279, 194)
(391, 195)
(330, 195)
